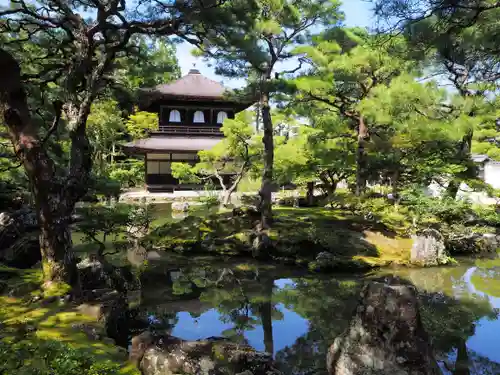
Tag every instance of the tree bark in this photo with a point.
(361, 157)
(228, 191)
(310, 193)
(395, 182)
(226, 197)
(267, 175)
(52, 209)
(462, 362)
(464, 154)
(329, 182)
(265, 310)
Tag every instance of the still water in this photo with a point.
(297, 316)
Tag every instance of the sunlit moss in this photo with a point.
(245, 267)
(32, 321)
(297, 236)
(57, 289)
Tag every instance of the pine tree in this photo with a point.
(262, 35)
(348, 65)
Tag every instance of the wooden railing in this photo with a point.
(189, 130)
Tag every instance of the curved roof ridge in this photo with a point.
(193, 84)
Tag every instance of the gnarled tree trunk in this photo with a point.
(310, 193)
(361, 157)
(53, 202)
(464, 154)
(267, 175)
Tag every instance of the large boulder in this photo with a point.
(22, 252)
(428, 248)
(465, 241)
(19, 244)
(385, 336)
(112, 311)
(168, 355)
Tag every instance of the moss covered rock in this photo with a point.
(168, 355)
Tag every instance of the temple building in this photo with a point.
(191, 111)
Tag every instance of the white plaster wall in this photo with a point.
(492, 174)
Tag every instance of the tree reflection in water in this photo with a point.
(246, 298)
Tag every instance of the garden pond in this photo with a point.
(296, 316)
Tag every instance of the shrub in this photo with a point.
(100, 223)
(37, 357)
(488, 215)
(210, 200)
(445, 209)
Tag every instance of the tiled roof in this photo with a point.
(192, 85)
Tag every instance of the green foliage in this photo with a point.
(154, 63)
(211, 198)
(102, 187)
(234, 155)
(428, 209)
(141, 123)
(242, 47)
(38, 357)
(101, 223)
(487, 215)
(185, 173)
(129, 173)
(321, 152)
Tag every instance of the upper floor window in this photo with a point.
(175, 116)
(221, 116)
(199, 117)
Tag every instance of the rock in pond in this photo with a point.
(111, 310)
(428, 248)
(385, 336)
(325, 259)
(96, 273)
(180, 206)
(470, 242)
(168, 355)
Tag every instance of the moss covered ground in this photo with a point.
(297, 236)
(51, 332)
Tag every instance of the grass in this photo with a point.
(51, 321)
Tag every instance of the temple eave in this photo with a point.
(172, 144)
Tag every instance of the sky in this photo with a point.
(357, 13)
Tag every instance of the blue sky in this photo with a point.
(357, 13)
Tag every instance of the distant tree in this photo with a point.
(154, 62)
(421, 127)
(228, 162)
(100, 223)
(141, 123)
(323, 151)
(347, 66)
(105, 128)
(460, 41)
